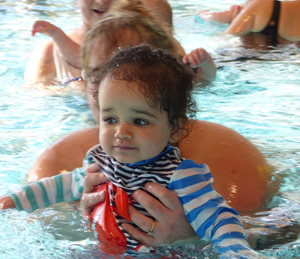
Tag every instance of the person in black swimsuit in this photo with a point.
(268, 17)
(272, 27)
(270, 32)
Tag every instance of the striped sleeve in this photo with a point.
(48, 191)
(207, 211)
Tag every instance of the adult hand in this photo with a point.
(89, 197)
(170, 222)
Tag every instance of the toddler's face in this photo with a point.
(130, 129)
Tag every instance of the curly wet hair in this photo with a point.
(161, 78)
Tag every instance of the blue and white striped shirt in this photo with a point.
(207, 211)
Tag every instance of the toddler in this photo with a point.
(69, 49)
(145, 101)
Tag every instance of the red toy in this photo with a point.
(103, 222)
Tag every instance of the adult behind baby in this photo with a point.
(270, 17)
(237, 164)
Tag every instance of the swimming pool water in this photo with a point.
(256, 93)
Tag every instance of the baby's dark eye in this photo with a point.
(141, 122)
(110, 120)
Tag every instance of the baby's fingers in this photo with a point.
(39, 26)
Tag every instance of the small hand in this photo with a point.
(89, 197)
(170, 224)
(6, 202)
(44, 27)
(196, 58)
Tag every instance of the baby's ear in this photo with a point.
(175, 134)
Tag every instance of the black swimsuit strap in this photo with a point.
(272, 27)
(275, 17)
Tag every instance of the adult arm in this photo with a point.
(221, 17)
(57, 158)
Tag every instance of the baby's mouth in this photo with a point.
(122, 147)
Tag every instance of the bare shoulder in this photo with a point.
(289, 20)
(236, 164)
(215, 133)
(66, 154)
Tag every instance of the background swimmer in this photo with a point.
(270, 17)
(59, 58)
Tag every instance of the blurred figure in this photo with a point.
(269, 17)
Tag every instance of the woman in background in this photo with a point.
(269, 17)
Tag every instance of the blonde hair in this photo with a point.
(160, 9)
(126, 16)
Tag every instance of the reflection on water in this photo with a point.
(276, 226)
(256, 93)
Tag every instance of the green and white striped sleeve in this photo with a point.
(48, 191)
